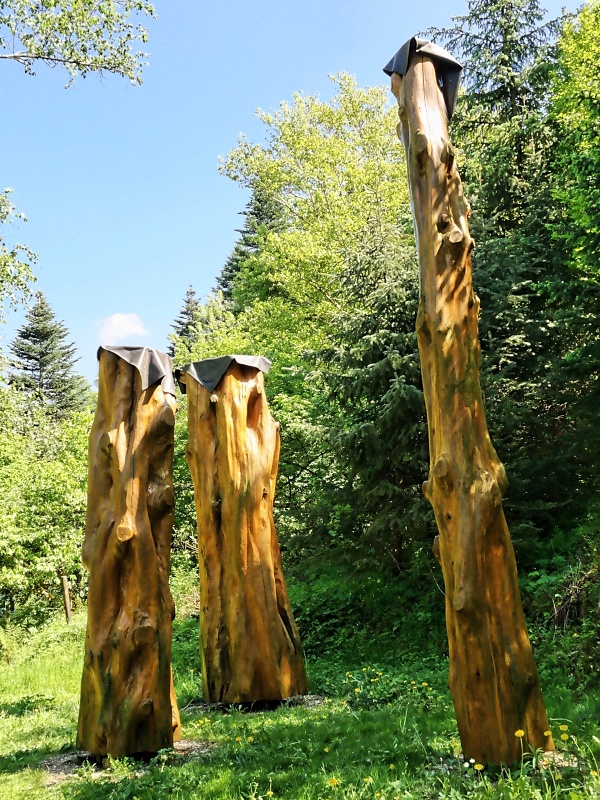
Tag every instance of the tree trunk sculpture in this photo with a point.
(250, 647)
(493, 677)
(128, 704)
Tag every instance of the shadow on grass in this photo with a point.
(27, 759)
(27, 704)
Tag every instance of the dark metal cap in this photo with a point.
(210, 371)
(152, 365)
(448, 68)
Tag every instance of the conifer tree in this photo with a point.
(184, 326)
(262, 214)
(43, 362)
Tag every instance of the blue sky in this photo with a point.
(120, 186)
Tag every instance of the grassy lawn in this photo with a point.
(378, 732)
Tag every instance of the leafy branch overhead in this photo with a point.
(82, 36)
(15, 259)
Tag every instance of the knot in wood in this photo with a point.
(444, 222)
(168, 417)
(447, 154)
(443, 474)
(455, 236)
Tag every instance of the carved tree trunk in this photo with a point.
(493, 677)
(128, 703)
(250, 647)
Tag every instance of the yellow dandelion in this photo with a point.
(364, 669)
(564, 736)
(357, 690)
(547, 733)
(325, 749)
(558, 776)
(333, 781)
(238, 738)
(593, 773)
(368, 779)
(392, 766)
(413, 683)
(251, 738)
(377, 794)
(424, 683)
(575, 635)
(519, 734)
(269, 793)
(564, 727)
(478, 767)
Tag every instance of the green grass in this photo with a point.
(391, 739)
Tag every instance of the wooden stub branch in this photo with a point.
(128, 704)
(493, 676)
(250, 647)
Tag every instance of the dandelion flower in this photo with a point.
(325, 749)
(368, 779)
(392, 766)
(333, 781)
(520, 733)
(269, 793)
(564, 736)
(478, 767)
(547, 733)
(251, 738)
(424, 683)
(357, 690)
(413, 683)
(558, 776)
(564, 727)
(238, 738)
(593, 773)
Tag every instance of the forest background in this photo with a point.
(323, 281)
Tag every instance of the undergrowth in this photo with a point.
(383, 730)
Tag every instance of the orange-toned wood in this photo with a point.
(250, 647)
(493, 676)
(128, 703)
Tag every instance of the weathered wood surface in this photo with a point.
(250, 647)
(493, 676)
(128, 703)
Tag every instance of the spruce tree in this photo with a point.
(43, 362)
(184, 326)
(261, 215)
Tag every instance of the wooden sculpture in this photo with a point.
(493, 676)
(250, 648)
(128, 704)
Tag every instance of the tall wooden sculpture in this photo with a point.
(493, 677)
(250, 648)
(128, 704)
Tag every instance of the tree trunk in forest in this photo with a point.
(493, 676)
(128, 703)
(66, 598)
(250, 647)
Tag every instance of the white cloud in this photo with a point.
(121, 329)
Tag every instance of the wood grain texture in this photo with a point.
(250, 647)
(493, 676)
(128, 703)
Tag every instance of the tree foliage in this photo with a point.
(43, 362)
(81, 36)
(15, 261)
